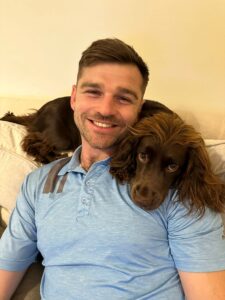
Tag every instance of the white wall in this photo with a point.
(181, 40)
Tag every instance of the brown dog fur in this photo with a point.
(161, 152)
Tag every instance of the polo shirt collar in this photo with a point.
(74, 164)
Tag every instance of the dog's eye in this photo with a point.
(172, 168)
(143, 157)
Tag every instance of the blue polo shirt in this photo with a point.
(97, 244)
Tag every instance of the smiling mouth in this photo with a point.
(102, 125)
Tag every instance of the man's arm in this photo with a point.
(203, 286)
(9, 282)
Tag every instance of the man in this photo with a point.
(95, 242)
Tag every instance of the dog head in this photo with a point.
(161, 152)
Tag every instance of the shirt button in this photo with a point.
(85, 202)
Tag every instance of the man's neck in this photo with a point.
(89, 156)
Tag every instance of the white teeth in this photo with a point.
(102, 124)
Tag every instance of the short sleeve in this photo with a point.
(197, 243)
(18, 244)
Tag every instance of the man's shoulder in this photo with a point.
(50, 170)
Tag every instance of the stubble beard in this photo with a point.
(97, 140)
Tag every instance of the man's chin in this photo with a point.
(103, 142)
(103, 146)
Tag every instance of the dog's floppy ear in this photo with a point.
(123, 163)
(199, 184)
(151, 107)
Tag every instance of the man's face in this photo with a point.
(106, 99)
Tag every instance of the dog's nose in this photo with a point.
(146, 197)
(146, 191)
(143, 191)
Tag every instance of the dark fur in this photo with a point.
(51, 129)
(163, 152)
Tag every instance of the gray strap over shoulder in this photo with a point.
(53, 178)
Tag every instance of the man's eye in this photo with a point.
(93, 92)
(143, 157)
(124, 99)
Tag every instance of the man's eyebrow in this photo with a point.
(128, 91)
(90, 84)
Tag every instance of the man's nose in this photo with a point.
(107, 106)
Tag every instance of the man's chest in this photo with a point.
(79, 226)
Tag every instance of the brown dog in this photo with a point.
(162, 152)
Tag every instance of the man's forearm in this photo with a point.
(203, 286)
(9, 282)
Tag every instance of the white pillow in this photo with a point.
(15, 164)
(216, 151)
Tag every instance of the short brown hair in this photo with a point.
(113, 51)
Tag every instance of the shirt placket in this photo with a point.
(87, 191)
(86, 197)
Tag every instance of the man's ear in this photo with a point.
(73, 96)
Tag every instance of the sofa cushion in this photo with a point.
(15, 164)
(216, 151)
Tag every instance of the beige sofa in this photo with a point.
(15, 165)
